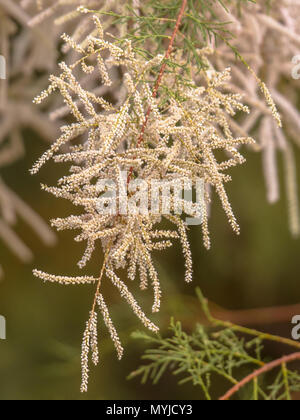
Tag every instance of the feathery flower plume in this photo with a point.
(165, 128)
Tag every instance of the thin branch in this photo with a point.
(243, 330)
(245, 317)
(160, 76)
(259, 316)
(269, 366)
(99, 285)
(163, 68)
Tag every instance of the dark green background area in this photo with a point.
(41, 357)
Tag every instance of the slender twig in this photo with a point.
(243, 330)
(245, 317)
(269, 366)
(99, 284)
(100, 278)
(160, 76)
(163, 67)
(272, 315)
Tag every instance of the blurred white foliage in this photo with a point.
(268, 37)
(26, 52)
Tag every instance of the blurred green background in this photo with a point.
(41, 357)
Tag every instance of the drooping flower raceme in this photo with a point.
(120, 160)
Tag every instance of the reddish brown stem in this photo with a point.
(160, 76)
(258, 316)
(257, 373)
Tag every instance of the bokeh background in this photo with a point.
(41, 357)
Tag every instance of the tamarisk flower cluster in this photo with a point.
(268, 37)
(170, 135)
(66, 17)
